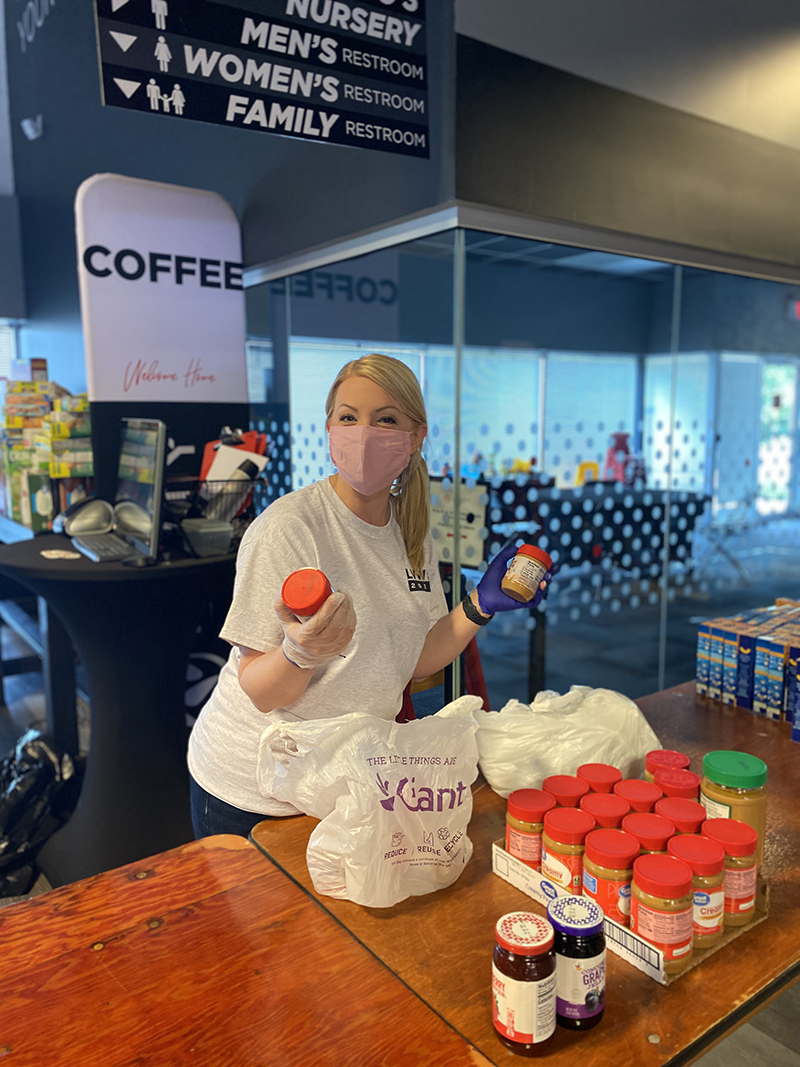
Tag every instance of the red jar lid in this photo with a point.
(704, 856)
(737, 838)
(605, 808)
(305, 591)
(612, 848)
(663, 876)
(524, 933)
(665, 759)
(641, 795)
(675, 783)
(651, 831)
(600, 777)
(566, 788)
(568, 825)
(536, 553)
(686, 815)
(530, 805)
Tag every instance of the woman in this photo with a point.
(366, 528)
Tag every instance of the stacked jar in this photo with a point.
(608, 871)
(606, 809)
(662, 908)
(707, 861)
(740, 843)
(524, 825)
(563, 846)
(600, 777)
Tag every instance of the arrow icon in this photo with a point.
(117, 4)
(124, 40)
(128, 88)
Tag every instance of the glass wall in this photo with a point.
(636, 419)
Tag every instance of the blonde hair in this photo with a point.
(410, 490)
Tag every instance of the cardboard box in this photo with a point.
(619, 939)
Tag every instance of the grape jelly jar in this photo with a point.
(580, 946)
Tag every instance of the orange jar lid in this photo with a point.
(568, 825)
(663, 876)
(651, 831)
(686, 815)
(566, 788)
(737, 838)
(605, 808)
(704, 856)
(614, 849)
(536, 553)
(305, 591)
(641, 795)
(665, 758)
(530, 805)
(601, 777)
(677, 783)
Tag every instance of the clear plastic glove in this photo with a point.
(491, 597)
(327, 634)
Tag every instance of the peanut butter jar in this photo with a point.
(526, 573)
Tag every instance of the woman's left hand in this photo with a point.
(491, 597)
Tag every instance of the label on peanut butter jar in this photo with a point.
(525, 847)
(740, 890)
(671, 931)
(614, 897)
(566, 871)
(708, 909)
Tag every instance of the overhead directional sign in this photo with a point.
(330, 72)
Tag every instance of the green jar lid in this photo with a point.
(739, 770)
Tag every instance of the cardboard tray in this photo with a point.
(619, 939)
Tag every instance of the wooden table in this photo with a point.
(441, 945)
(204, 956)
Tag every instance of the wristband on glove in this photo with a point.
(472, 612)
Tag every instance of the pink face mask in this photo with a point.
(368, 457)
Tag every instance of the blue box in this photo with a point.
(701, 673)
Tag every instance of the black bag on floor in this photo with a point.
(39, 788)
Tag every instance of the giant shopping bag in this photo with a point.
(394, 799)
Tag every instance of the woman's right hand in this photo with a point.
(327, 634)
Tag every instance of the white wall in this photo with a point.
(736, 62)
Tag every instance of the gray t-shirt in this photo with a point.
(395, 609)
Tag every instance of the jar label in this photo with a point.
(740, 890)
(529, 572)
(525, 847)
(708, 909)
(523, 1011)
(715, 810)
(613, 896)
(566, 871)
(580, 986)
(671, 931)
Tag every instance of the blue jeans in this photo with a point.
(213, 816)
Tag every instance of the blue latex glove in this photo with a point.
(491, 597)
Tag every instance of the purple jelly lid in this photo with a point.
(576, 916)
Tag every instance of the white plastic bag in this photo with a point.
(525, 743)
(394, 800)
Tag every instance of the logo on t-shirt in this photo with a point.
(418, 583)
